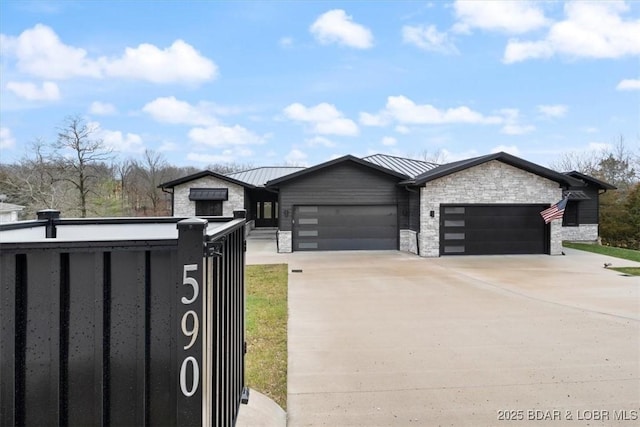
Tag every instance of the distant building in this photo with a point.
(9, 212)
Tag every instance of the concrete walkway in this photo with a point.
(391, 339)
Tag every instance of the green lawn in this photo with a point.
(266, 359)
(629, 254)
(632, 271)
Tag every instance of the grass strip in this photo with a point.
(266, 317)
(632, 271)
(630, 254)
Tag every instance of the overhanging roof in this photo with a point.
(344, 159)
(202, 174)
(590, 180)
(208, 194)
(451, 168)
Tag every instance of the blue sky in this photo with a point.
(302, 82)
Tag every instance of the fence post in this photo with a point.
(51, 215)
(190, 323)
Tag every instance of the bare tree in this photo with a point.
(79, 153)
(123, 170)
(150, 173)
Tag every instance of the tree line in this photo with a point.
(80, 176)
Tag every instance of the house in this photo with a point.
(209, 193)
(9, 212)
(484, 205)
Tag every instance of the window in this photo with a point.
(208, 207)
(570, 218)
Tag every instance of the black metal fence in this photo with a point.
(140, 331)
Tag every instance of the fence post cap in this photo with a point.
(240, 213)
(48, 214)
(192, 223)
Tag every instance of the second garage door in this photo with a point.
(492, 230)
(327, 228)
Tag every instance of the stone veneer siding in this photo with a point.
(491, 182)
(182, 206)
(581, 233)
(284, 241)
(408, 241)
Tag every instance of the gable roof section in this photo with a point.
(409, 167)
(202, 174)
(451, 168)
(591, 180)
(344, 159)
(258, 177)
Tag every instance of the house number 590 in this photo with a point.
(190, 332)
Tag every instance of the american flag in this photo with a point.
(554, 212)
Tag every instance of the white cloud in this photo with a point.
(171, 110)
(589, 30)
(325, 119)
(6, 139)
(102, 108)
(40, 52)
(513, 17)
(512, 125)
(511, 149)
(553, 111)
(320, 141)
(335, 26)
(389, 141)
(180, 62)
(48, 91)
(118, 141)
(428, 38)
(221, 136)
(404, 111)
(296, 157)
(629, 84)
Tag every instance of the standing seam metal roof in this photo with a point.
(258, 177)
(409, 167)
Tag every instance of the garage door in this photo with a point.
(492, 229)
(327, 228)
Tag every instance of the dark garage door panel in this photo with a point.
(345, 228)
(492, 230)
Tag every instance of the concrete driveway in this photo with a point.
(391, 339)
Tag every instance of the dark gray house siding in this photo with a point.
(408, 209)
(587, 209)
(341, 184)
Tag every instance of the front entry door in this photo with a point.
(266, 214)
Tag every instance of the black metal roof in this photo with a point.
(202, 174)
(591, 180)
(450, 168)
(409, 167)
(343, 159)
